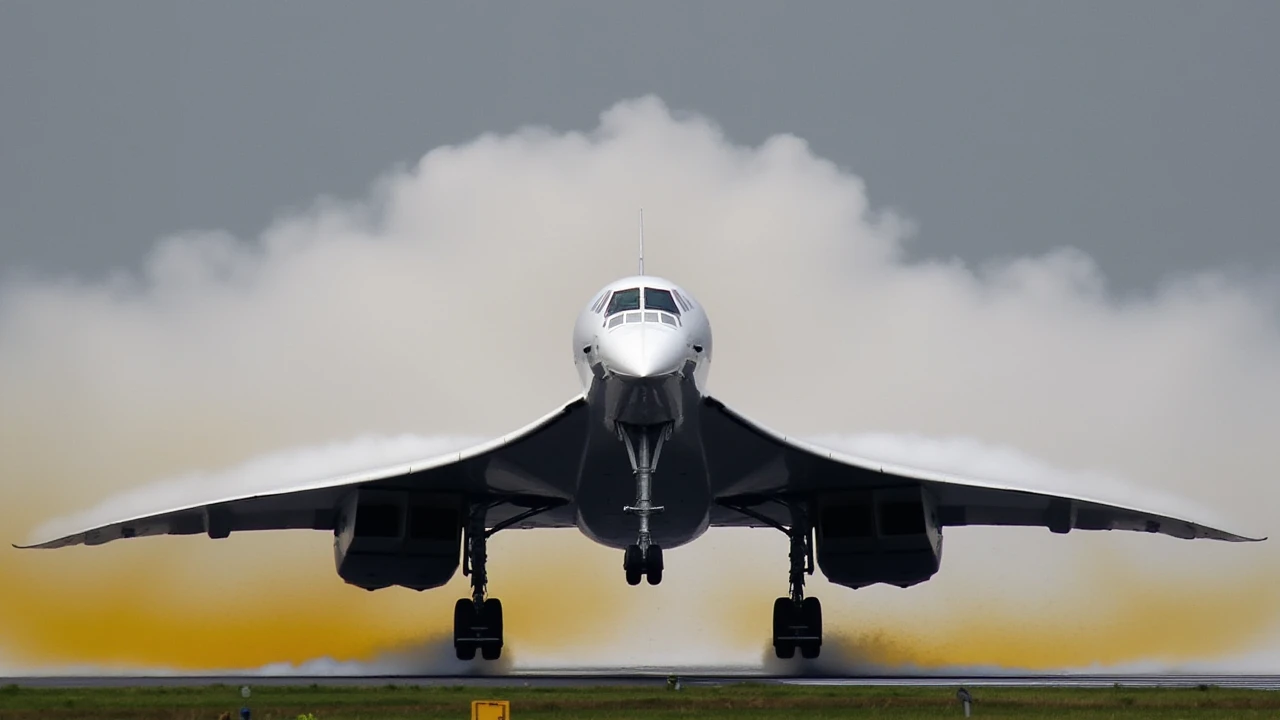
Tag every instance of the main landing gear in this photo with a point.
(644, 446)
(797, 620)
(477, 620)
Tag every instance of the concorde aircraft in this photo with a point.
(643, 460)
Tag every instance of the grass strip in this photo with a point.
(742, 700)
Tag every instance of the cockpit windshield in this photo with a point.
(656, 299)
(653, 299)
(628, 299)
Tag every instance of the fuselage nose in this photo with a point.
(644, 350)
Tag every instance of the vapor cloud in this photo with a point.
(292, 469)
(441, 306)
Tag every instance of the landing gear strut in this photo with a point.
(644, 446)
(477, 620)
(797, 620)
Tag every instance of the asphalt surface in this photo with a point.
(1265, 682)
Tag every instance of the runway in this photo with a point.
(1260, 682)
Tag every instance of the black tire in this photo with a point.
(633, 564)
(491, 619)
(491, 616)
(653, 565)
(811, 611)
(781, 614)
(653, 561)
(464, 616)
(784, 616)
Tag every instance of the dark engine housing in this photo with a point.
(885, 535)
(397, 537)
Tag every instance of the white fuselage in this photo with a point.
(642, 348)
(628, 354)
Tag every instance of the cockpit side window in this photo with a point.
(628, 299)
(657, 299)
(683, 302)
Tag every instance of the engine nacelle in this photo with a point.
(885, 535)
(397, 537)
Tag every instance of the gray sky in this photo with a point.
(1141, 132)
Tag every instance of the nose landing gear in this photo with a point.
(644, 446)
(637, 564)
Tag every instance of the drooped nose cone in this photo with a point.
(644, 351)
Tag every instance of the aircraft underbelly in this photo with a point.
(601, 499)
(680, 483)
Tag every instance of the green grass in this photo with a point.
(744, 701)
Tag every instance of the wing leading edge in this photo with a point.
(759, 462)
(506, 466)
